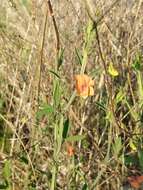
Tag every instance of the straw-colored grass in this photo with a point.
(43, 45)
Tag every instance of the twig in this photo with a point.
(99, 47)
(104, 14)
(107, 11)
(55, 26)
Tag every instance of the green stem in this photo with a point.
(54, 173)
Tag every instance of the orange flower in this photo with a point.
(135, 181)
(84, 85)
(70, 150)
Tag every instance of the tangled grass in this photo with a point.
(50, 138)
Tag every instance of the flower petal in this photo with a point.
(83, 84)
(112, 71)
(91, 91)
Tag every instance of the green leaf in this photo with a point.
(4, 185)
(57, 93)
(112, 71)
(7, 174)
(44, 111)
(136, 66)
(119, 97)
(7, 170)
(60, 58)
(25, 3)
(110, 116)
(75, 138)
(140, 85)
(79, 58)
(117, 146)
(60, 134)
(1, 104)
(32, 188)
(89, 31)
(24, 159)
(53, 72)
(140, 156)
(137, 63)
(131, 160)
(85, 187)
(66, 128)
(102, 107)
(132, 145)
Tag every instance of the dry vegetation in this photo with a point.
(40, 114)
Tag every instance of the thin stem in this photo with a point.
(41, 56)
(55, 26)
(54, 173)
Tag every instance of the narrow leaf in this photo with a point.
(7, 170)
(140, 156)
(53, 72)
(57, 93)
(112, 71)
(44, 110)
(78, 56)
(60, 58)
(66, 128)
(75, 138)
